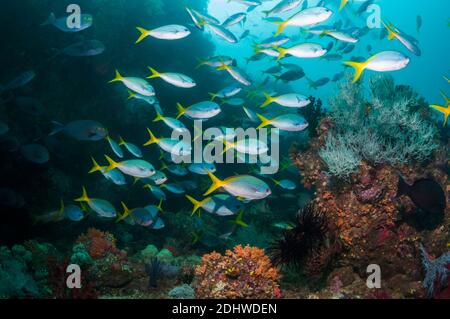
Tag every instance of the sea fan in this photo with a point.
(298, 243)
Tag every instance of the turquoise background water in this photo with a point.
(424, 73)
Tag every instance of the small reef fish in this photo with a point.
(236, 73)
(318, 83)
(288, 100)
(83, 48)
(199, 111)
(335, 34)
(21, 80)
(227, 92)
(283, 6)
(102, 207)
(426, 194)
(135, 168)
(243, 186)
(82, 130)
(304, 50)
(216, 61)
(137, 85)
(195, 18)
(285, 183)
(159, 178)
(222, 33)
(133, 149)
(236, 18)
(156, 191)
(86, 21)
(274, 41)
(173, 188)
(35, 153)
(115, 147)
(220, 204)
(202, 168)
(114, 175)
(305, 18)
(176, 79)
(285, 122)
(233, 101)
(171, 122)
(409, 42)
(381, 62)
(249, 146)
(168, 32)
(178, 170)
(170, 145)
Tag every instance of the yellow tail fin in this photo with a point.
(282, 52)
(391, 33)
(239, 221)
(200, 63)
(126, 213)
(342, 5)
(155, 74)
(84, 197)
(121, 141)
(117, 77)
(131, 95)
(269, 100)
(359, 68)
(223, 67)
(275, 181)
(163, 166)
(264, 121)
(213, 96)
(160, 206)
(152, 139)
(181, 110)
(95, 167)
(443, 110)
(158, 117)
(197, 204)
(112, 163)
(281, 26)
(216, 184)
(144, 33)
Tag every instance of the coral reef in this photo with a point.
(437, 272)
(360, 199)
(385, 129)
(182, 292)
(245, 272)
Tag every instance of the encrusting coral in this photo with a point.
(388, 137)
(245, 272)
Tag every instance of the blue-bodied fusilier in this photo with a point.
(408, 41)
(114, 175)
(283, 6)
(136, 168)
(246, 187)
(303, 50)
(137, 85)
(227, 92)
(384, 61)
(176, 79)
(86, 21)
(202, 168)
(175, 169)
(287, 122)
(285, 183)
(115, 147)
(82, 130)
(289, 100)
(170, 145)
(216, 61)
(174, 188)
(167, 32)
(132, 148)
(171, 122)
(156, 191)
(240, 17)
(236, 73)
(199, 111)
(219, 204)
(102, 207)
(305, 18)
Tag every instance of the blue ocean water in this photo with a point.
(424, 73)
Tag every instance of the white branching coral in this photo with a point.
(386, 129)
